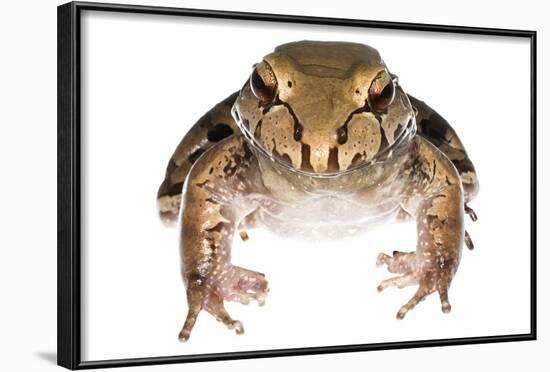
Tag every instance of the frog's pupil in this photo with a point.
(387, 93)
(384, 98)
(257, 81)
(264, 92)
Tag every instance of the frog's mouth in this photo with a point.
(397, 147)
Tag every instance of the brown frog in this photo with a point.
(321, 132)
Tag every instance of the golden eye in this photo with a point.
(381, 92)
(263, 83)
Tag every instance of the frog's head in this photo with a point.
(324, 108)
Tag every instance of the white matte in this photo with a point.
(147, 79)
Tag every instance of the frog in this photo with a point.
(321, 134)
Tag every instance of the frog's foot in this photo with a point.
(169, 207)
(468, 240)
(470, 212)
(242, 285)
(250, 221)
(473, 216)
(428, 278)
(244, 235)
(232, 284)
(205, 298)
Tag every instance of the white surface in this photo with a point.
(28, 198)
(147, 79)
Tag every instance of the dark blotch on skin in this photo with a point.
(175, 189)
(205, 121)
(171, 166)
(399, 130)
(258, 130)
(434, 128)
(219, 132)
(306, 153)
(418, 169)
(332, 165)
(219, 227)
(463, 165)
(298, 131)
(196, 279)
(229, 170)
(357, 159)
(238, 160)
(285, 158)
(210, 200)
(195, 155)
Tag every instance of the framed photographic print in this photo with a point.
(314, 185)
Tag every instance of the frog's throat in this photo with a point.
(401, 142)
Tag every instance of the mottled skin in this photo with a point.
(320, 133)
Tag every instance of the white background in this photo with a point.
(28, 193)
(146, 80)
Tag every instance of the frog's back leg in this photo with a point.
(439, 132)
(214, 126)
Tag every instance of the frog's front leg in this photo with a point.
(214, 126)
(215, 202)
(436, 200)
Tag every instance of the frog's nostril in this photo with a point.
(342, 134)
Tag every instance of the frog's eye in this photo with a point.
(381, 92)
(263, 83)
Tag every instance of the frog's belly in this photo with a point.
(325, 218)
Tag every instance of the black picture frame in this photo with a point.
(69, 184)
